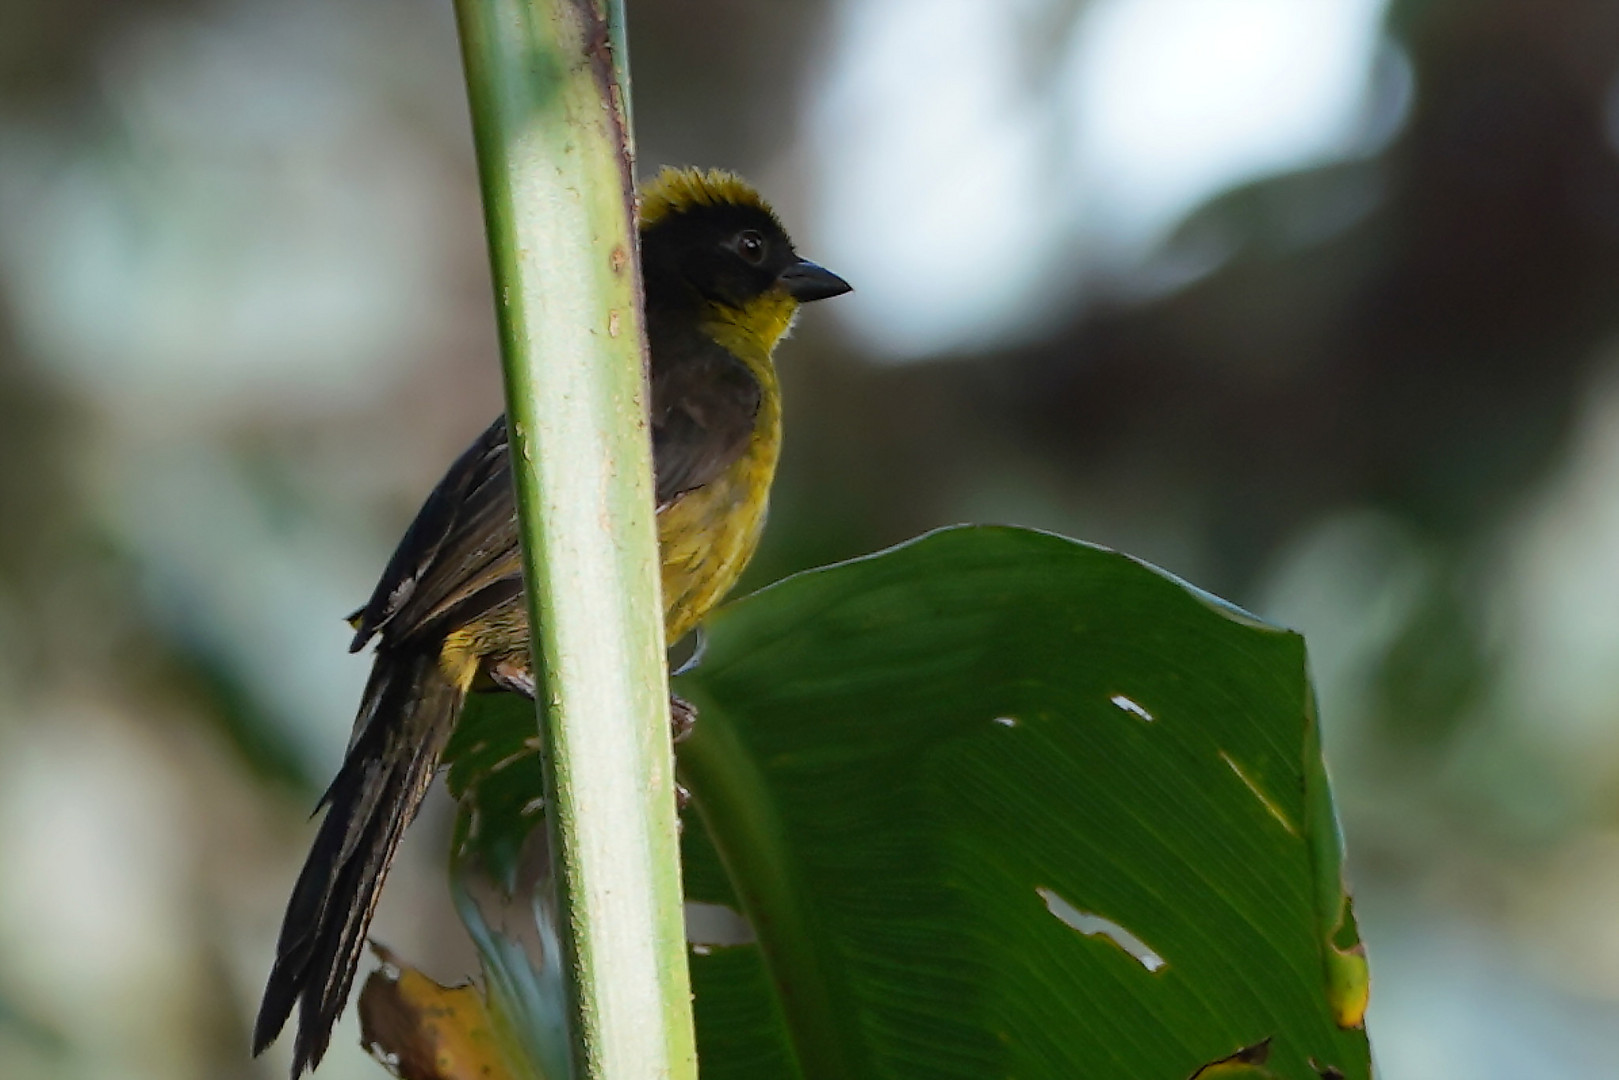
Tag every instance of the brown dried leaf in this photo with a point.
(420, 1030)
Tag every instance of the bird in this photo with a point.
(722, 285)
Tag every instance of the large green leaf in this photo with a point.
(997, 803)
(944, 783)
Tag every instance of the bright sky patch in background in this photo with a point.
(973, 166)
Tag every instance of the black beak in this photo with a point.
(805, 281)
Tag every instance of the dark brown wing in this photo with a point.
(705, 403)
(462, 548)
(461, 555)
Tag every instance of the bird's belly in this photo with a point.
(707, 536)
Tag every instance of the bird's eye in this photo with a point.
(751, 246)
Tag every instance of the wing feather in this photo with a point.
(460, 556)
(462, 542)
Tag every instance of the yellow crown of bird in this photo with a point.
(675, 191)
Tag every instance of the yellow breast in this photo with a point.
(707, 535)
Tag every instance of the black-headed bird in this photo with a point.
(722, 285)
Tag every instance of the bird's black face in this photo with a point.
(730, 255)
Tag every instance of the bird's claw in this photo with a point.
(682, 718)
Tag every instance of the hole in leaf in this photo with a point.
(710, 926)
(1327, 1072)
(685, 654)
(1346, 936)
(511, 759)
(1132, 707)
(1006, 721)
(1093, 925)
(1275, 810)
(1244, 1062)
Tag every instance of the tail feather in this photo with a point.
(408, 712)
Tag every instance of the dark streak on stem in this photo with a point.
(598, 46)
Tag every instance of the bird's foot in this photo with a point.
(682, 717)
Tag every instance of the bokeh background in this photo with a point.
(1313, 302)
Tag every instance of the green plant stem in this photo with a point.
(550, 119)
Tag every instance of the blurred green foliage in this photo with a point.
(1381, 413)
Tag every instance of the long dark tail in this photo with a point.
(408, 712)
